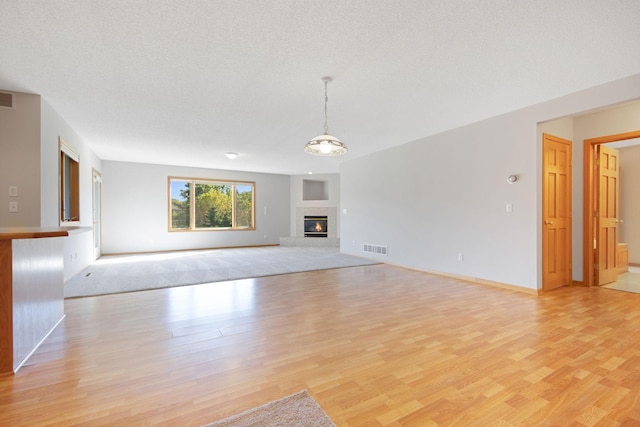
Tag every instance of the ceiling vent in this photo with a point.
(7, 100)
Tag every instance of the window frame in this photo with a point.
(69, 184)
(192, 203)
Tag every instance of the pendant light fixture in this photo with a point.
(325, 144)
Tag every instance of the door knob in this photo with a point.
(549, 222)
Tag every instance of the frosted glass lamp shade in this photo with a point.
(325, 145)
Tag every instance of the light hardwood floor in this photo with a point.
(375, 346)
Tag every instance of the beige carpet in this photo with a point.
(297, 410)
(129, 273)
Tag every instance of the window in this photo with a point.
(69, 184)
(200, 204)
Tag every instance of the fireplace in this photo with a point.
(315, 226)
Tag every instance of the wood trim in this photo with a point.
(474, 280)
(587, 212)
(31, 233)
(588, 202)
(614, 138)
(6, 306)
(66, 151)
(74, 176)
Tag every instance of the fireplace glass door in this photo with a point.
(315, 226)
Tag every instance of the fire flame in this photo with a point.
(318, 226)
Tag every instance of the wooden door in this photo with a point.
(556, 213)
(607, 215)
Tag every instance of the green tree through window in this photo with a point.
(180, 210)
(215, 205)
(244, 206)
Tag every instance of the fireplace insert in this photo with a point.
(315, 226)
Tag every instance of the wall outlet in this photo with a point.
(13, 206)
(460, 257)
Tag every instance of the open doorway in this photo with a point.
(96, 214)
(604, 254)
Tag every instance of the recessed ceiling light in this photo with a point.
(231, 155)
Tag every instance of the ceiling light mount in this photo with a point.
(231, 155)
(325, 144)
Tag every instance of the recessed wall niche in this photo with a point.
(314, 190)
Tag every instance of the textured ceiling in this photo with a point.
(182, 82)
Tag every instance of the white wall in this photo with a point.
(78, 247)
(433, 199)
(443, 195)
(54, 127)
(20, 161)
(630, 200)
(29, 141)
(135, 209)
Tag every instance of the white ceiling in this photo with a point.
(625, 143)
(182, 82)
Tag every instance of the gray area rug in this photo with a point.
(297, 410)
(128, 273)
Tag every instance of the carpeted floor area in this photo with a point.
(128, 273)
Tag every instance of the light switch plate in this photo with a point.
(13, 191)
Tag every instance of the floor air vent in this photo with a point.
(375, 249)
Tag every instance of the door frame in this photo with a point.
(589, 207)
